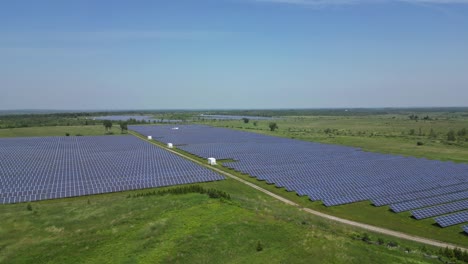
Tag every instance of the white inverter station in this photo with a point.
(211, 161)
(169, 145)
(150, 137)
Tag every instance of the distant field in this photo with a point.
(47, 131)
(189, 228)
(393, 134)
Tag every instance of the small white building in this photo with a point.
(169, 145)
(150, 137)
(175, 128)
(211, 161)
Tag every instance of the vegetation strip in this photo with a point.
(212, 193)
(308, 210)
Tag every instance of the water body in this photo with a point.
(235, 117)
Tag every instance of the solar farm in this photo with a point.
(335, 175)
(38, 168)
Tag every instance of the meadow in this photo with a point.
(251, 227)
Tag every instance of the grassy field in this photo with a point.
(188, 228)
(393, 134)
(56, 131)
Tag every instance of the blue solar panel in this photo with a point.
(453, 219)
(56, 167)
(465, 228)
(440, 209)
(330, 173)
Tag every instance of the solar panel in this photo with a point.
(452, 219)
(55, 167)
(465, 228)
(440, 209)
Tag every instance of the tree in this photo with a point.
(123, 126)
(255, 123)
(273, 126)
(107, 124)
(451, 135)
(246, 120)
(432, 134)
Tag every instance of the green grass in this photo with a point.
(189, 228)
(56, 131)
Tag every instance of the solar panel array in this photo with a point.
(452, 219)
(333, 174)
(136, 117)
(55, 167)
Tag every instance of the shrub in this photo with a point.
(259, 246)
(273, 126)
(392, 244)
(451, 135)
(419, 143)
(67, 134)
(29, 207)
(380, 241)
(366, 237)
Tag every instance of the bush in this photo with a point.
(392, 244)
(259, 246)
(212, 193)
(366, 237)
(380, 241)
(29, 207)
(67, 134)
(419, 143)
(451, 135)
(273, 126)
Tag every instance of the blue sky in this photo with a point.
(233, 54)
